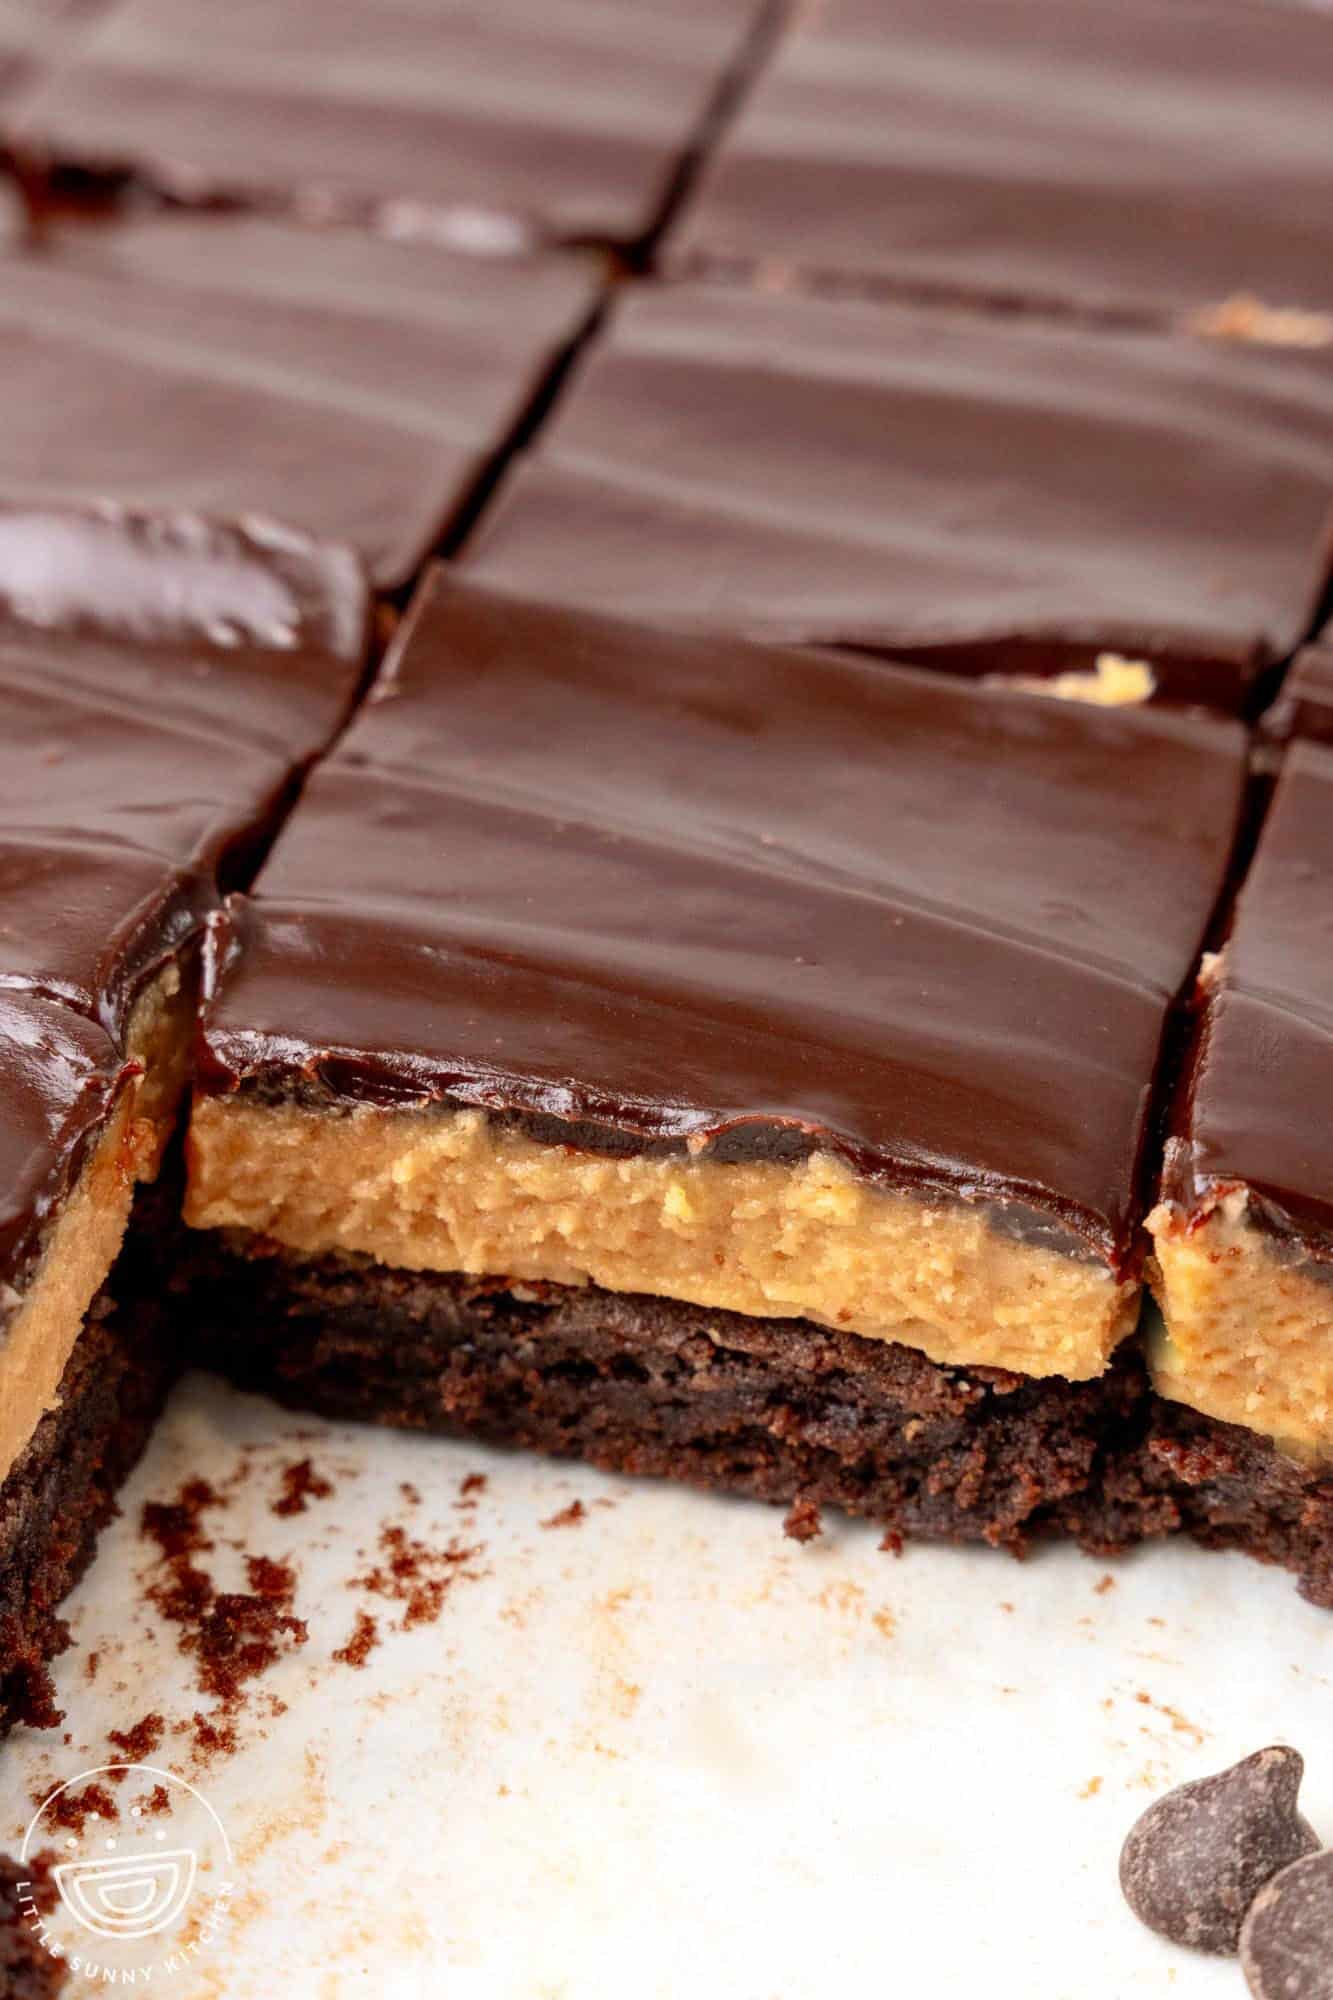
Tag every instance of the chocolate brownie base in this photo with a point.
(62, 1491)
(780, 1410)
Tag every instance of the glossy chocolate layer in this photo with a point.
(351, 389)
(163, 682)
(1256, 1112)
(977, 493)
(494, 122)
(60, 1077)
(686, 889)
(1150, 158)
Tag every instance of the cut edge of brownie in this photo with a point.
(777, 1410)
(61, 1492)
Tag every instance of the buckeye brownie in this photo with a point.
(1159, 160)
(358, 391)
(494, 125)
(165, 683)
(969, 492)
(1243, 1233)
(730, 1063)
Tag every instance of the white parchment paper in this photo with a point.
(660, 1750)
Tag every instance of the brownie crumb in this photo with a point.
(211, 1737)
(90, 1666)
(28, 1893)
(412, 1494)
(568, 1517)
(891, 1544)
(234, 1636)
(474, 1484)
(156, 1802)
(177, 1525)
(300, 1485)
(417, 1576)
(274, 1580)
(365, 1637)
(241, 1637)
(804, 1520)
(72, 1810)
(138, 1744)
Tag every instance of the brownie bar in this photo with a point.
(61, 1491)
(495, 124)
(775, 981)
(347, 388)
(165, 682)
(1244, 1229)
(972, 493)
(1145, 160)
(775, 1409)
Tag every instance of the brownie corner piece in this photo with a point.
(1243, 1232)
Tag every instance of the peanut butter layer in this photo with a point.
(1248, 1328)
(80, 1252)
(83, 1241)
(455, 1191)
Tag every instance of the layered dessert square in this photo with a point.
(492, 124)
(981, 494)
(354, 390)
(1159, 159)
(165, 683)
(1243, 1234)
(732, 1063)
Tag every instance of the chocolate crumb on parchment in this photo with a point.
(414, 1574)
(567, 1517)
(301, 1484)
(138, 1744)
(1196, 1860)
(72, 1810)
(804, 1521)
(234, 1636)
(365, 1637)
(1286, 1943)
(27, 1894)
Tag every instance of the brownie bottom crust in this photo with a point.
(61, 1491)
(777, 1409)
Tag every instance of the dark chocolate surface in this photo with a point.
(1152, 157)
(350, 389)
(932, 483)
(564, 118)
(1257, 1110)
(60, 1076)
(676, 886)
(163, 682)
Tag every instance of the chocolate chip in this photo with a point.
(1196, 1860)
(1286, 1945)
